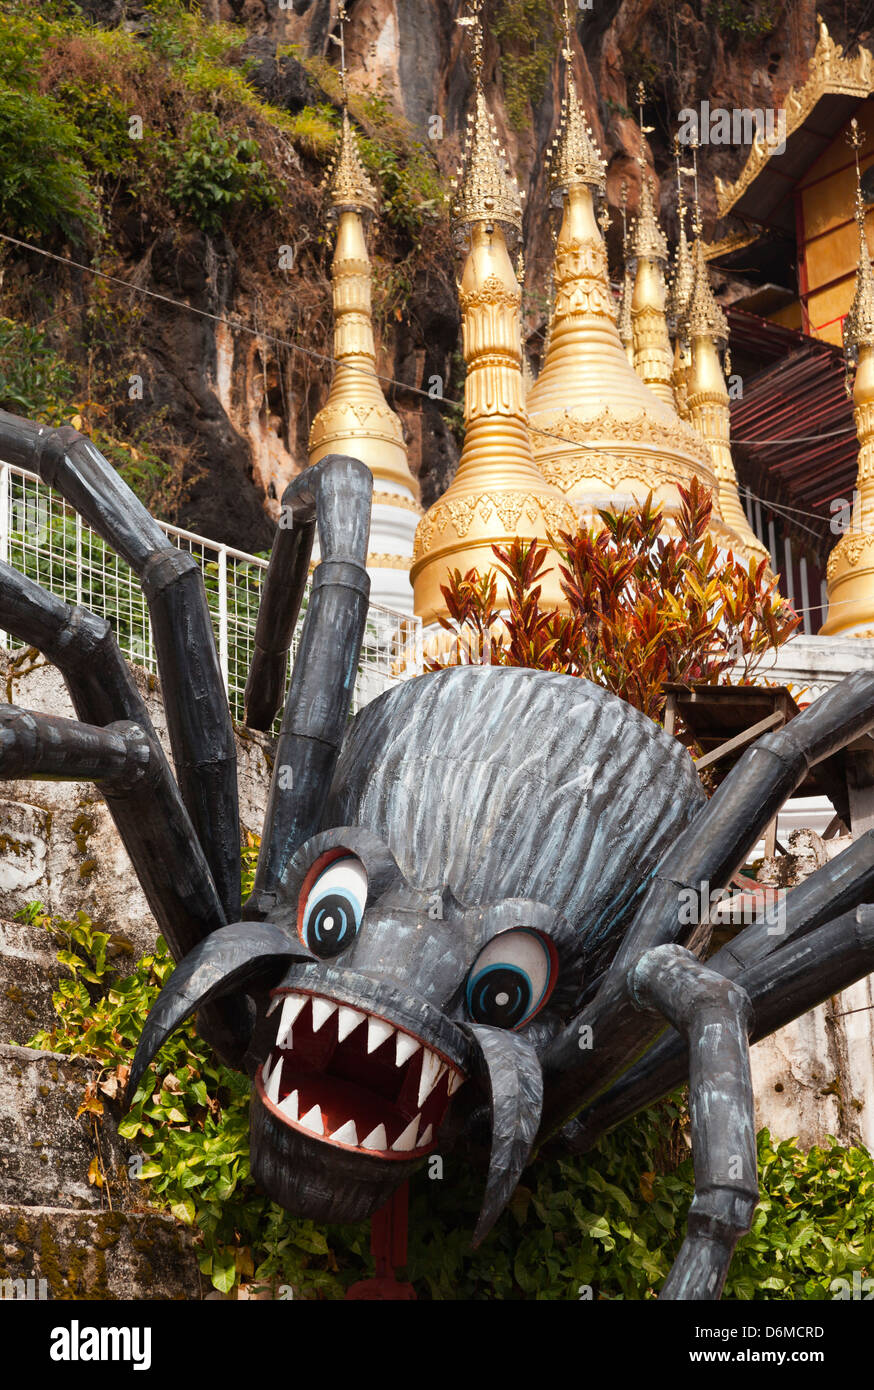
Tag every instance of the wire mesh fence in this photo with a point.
(45, 539)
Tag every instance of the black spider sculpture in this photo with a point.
(464, 929)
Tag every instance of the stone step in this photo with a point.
(45, 1150)
(97, 1254)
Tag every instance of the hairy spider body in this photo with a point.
(464, 930)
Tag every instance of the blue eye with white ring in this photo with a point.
(334, 907)
(510, 979)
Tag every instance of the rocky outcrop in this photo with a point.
(238, 395)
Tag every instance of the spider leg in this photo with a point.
(335, 495)
(710, 850)
(713, 1015)
(198, 718)
(153, 823)
(148, 812)
(765, 949)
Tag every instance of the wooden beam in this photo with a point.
(740, 740)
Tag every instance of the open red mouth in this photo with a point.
(354, 1079)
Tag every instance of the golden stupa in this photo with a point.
(356, 418)
(705, 328)
(850, 569)
(597, 431)
(497, 492)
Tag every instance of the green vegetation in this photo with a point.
(526, 32)
(748, 19)
(43, 182)
(610, 1222)
(215, 169)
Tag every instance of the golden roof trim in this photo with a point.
(651, 431)
(830, 73)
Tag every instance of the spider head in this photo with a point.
(390, 1022)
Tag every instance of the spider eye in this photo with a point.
(333, 907)
(511, 979)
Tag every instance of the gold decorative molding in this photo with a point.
(389, 562)
(830, 74)
(455, 517)
(396, 499)
(649, 430)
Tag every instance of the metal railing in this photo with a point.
(44, 538)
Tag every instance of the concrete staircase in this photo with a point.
(82, 1241)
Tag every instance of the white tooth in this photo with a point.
(313, 1120)
(425, 1138)
(277, 999)
(347, 1134)
(405, 1048)
(271, 1082)
(289, 1105)
(377, 1032)
(290, 1010)
(455, 1080)
(347, 1020)
(376, 1139)
(322, 1010)
(432, 1070)
(407, 1140)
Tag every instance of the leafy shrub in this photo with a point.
(43, 184)
(102, 119)
(642, 608)
(213, 171)
(34, 380)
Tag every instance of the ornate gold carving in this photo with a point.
(830, 74)
(648, 241)
(649, 430)
(492, 293)
(349, 188)
(574, 157)
(396, 499)
(704, 314)
(485, 191)
(457, 515)
(389, 562)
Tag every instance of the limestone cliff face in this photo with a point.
(240, 394)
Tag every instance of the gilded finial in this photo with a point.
(348, 186)
(682, 274)
(573, 158)
(859, 323)
(485, 190)
(705, 317)
(648, 241)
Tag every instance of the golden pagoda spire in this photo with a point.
(679, 294)
(497, 492)
(707, 399)
(850, 569)
(597, 431)
(653, 359)
(626, 332)
(356, 418)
